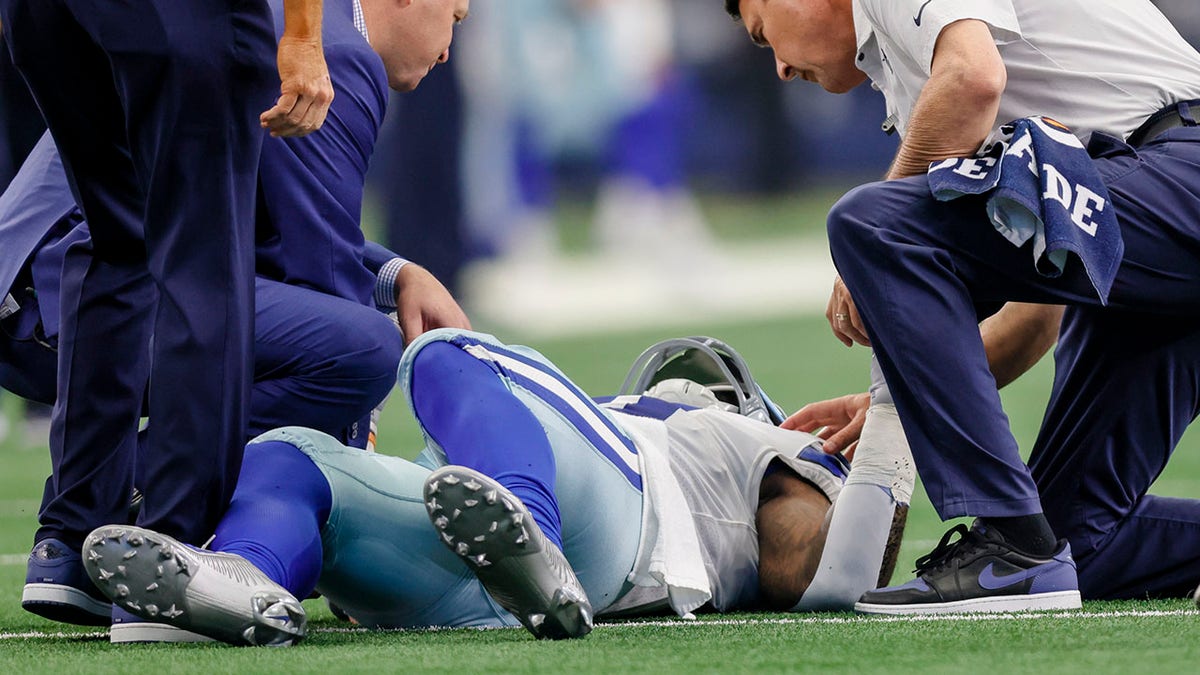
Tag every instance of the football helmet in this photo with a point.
(706, 361)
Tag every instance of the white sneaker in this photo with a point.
(495, 535)
(218, 595)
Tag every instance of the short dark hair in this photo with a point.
(734, 7)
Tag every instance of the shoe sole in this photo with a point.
(145, 632)
(65, 604)
(488, 528)
(1040, 602)
(155, 577)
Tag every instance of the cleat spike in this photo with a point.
(536, 620)
(432, 505)
(442, 522)
(481, 538)
(158, 572)
(470, 502)
(490, 497)
(456, 514)
(122, 571)
(94, 555)
(434, 487)
(508, 506)
(165, 554)
(152, 587)
(134, 605)
(135, 540)
(521, 539)
(447, 538)
(473, 485)
(121, 591)
(152, 610)
(105, 575)
(494, 526)
(451, 479)
(481, 560)
(128, 555)
(462, 548)
(171, 612)
(518, 519)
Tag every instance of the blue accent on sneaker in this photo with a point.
(980, 572)
(58, 588)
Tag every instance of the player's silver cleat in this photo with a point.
(219, 595)
(495, 534)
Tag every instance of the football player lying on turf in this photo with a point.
(546, 507)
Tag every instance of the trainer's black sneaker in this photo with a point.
(58, 588)
(980, 572)
(493, 532)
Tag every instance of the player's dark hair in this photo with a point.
(734, 8)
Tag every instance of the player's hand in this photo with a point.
(841, 418)
(843, 316)
(423, 303)
(305, 89)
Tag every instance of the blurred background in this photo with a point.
(590, 176)
(596, 165)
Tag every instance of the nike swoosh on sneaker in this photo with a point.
(991, 582)
(917, 18)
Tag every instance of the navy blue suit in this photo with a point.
(311, 189)
(323, 356)
(154, 105)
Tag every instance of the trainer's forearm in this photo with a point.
(957, 107)
(302, 19)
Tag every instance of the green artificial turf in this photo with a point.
(797, 361)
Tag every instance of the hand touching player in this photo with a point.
(305, 88)
(842, 419)
(423, 303)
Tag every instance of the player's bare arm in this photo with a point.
(792, 523)
(305, 88)
(1017, 337)
(957, 108)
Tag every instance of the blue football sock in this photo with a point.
(274, 520)
(469, 411)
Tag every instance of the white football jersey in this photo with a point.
(718, 459)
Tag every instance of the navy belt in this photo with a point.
(1170, 117)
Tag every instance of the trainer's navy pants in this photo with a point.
(320, 361)
(923, 272)
(154, 105)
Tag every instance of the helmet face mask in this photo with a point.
(706, 361)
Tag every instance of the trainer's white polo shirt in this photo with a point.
(1095, 65)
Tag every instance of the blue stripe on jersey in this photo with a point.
(567, 399)
(835, 464)
(643, 406)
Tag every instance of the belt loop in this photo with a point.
(1185, 113)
